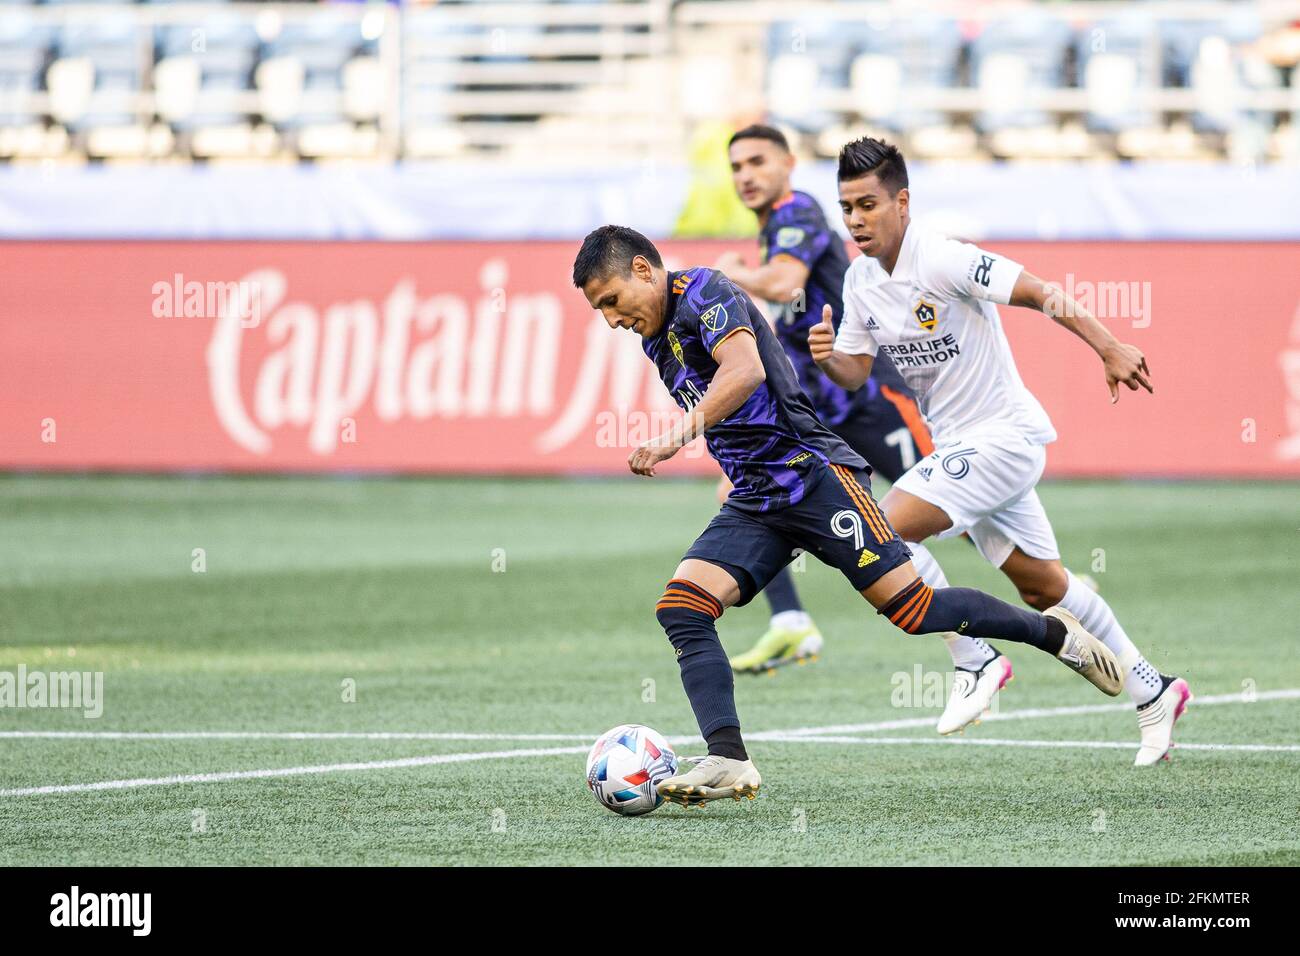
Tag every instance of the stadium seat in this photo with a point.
(321, 45)
(804, 56)
(1200, 55)
(222, 52)
(918, 52)
(1013, 58)
(96, 84)
(24, 48)
(1117, 59)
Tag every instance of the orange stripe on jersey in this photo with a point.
(845, 478)
(787, 255)
(881, 520)
(911, 416)
(857, 502)
(783, 201)
(739, 328)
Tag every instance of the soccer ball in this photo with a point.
(624, 767)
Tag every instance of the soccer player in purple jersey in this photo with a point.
(795, 485)
(802, 268)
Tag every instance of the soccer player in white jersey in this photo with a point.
(929, 303)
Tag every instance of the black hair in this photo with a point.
(759, 131)
(865, 156)
(611, 248)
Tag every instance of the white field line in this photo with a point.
(1032, 713)
(797, 735)
(287, 771)
(994, 742)
(833, 729)
(275, 735)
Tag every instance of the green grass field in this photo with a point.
(314, 586)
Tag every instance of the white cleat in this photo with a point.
(712, 778)
(1086, 656)
(1156, 722)
(973, 692)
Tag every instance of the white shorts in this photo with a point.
(985, 483)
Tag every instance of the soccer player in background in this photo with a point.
(795, 485)
(801, 270)
(927, 302)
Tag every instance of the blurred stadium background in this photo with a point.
(577, 80)
(1146, 152)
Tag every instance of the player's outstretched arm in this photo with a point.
(740, 372)
(847, 371)
(780, 280)
(1124, 363)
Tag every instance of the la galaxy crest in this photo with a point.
(675, 344)
(926, 315)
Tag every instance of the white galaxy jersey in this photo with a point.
(936, 318)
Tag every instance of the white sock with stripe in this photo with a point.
(968, 653)
(1142, 681)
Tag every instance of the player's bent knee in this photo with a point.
(713, 579)
(1046, 590)
(890, 584)
(907, 609)
(683, 598)
(1038, 600)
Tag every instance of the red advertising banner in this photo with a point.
(482, 358)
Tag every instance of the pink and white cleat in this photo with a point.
(972, 694)
(1156, 721)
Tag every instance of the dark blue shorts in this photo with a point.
(838, 522)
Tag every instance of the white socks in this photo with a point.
(1143, 680)
(968, 653)
(790, 620)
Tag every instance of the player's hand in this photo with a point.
(729, 261)
(642, 461)
(1127, 364)
(821, 337)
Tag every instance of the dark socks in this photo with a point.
(920, 609)
(687, 613)
(781, 594)
(726, 742)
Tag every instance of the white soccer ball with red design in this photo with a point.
(626, 765)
